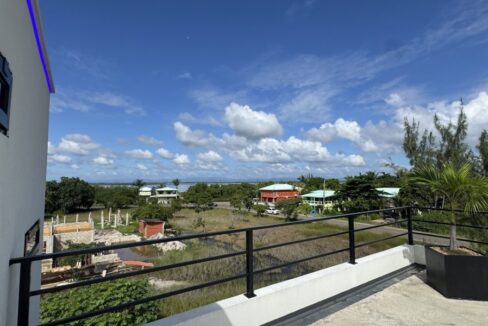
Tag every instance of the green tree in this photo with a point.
(199, 195)
(116, 197)
(199, 222)
(289, 207)
(358, 193)
(63, 304)
(452, 146)
(260, 209)
(248, 203)
(139, 183)
(52, 203)
(460, 187)
(152, 211)
(418, 149)
(75, 194)
(483, 149)
(176, 205)
(236, 202)
(176, 182)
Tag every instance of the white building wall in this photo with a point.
(23, 153)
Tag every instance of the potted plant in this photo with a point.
(453, 271)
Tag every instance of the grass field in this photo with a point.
(222, 219)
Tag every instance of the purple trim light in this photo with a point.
(39, 46)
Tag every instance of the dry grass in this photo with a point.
(221, 219)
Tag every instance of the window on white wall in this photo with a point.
(5, 93)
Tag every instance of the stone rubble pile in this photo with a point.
(167, 246)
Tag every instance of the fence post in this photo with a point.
(352, 242)
(409, 226)
(249, 265)
(24, 298)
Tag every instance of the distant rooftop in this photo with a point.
(278, 186)
(166, 189)
(320, 194)
(389, 192)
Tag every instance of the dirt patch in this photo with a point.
(462, 251)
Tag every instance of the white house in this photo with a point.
(146, 191)
(25, 88)
(319, 200)
(166, 195)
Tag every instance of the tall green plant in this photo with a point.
(460, 187)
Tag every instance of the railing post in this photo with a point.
(249, 265)
(24, 298)
(409, 226)
(352, 242)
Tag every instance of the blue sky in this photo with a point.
(256, 89)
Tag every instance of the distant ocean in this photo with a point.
(185, 185)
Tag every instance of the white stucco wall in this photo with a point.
(281, 299)
(23, 153)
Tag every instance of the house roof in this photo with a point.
(38, 30)
(166, 189)
(388, 192)
(152, 220)
(278, 186)
(146, 188)
(320, 194)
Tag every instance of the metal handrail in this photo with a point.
(25, 262)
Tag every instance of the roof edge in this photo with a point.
(38, 30)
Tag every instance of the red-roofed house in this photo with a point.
(273, 193)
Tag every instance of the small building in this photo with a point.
(166, 195)
(388, 192)
(146, 191)
(276, 192)
(320, 200)
(150, 227)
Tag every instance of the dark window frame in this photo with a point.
(5, 95)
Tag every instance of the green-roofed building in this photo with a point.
(319, 200)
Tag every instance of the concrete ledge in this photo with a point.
(281, 299)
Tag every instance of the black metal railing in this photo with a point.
(25, 292)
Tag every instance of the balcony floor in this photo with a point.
(402, 300)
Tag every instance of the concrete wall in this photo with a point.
(281, 299)
(23, 153)
(76, 237)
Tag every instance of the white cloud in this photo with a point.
(164, 153)
(271, 150)
(181, 159)
(141, 167)
(252, 124)
(210, 156)
(341, 128)
(75, 166)
(51, 149)
(214, 98)
(185, 75)
(308, 104)
(190, 137)
(395, 99)
(61, 102)
(116, 101)
(139, 153)
(101, 160)
(149, 140)
(61, 158)
(79, 144)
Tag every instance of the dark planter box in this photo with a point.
(457, 276)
